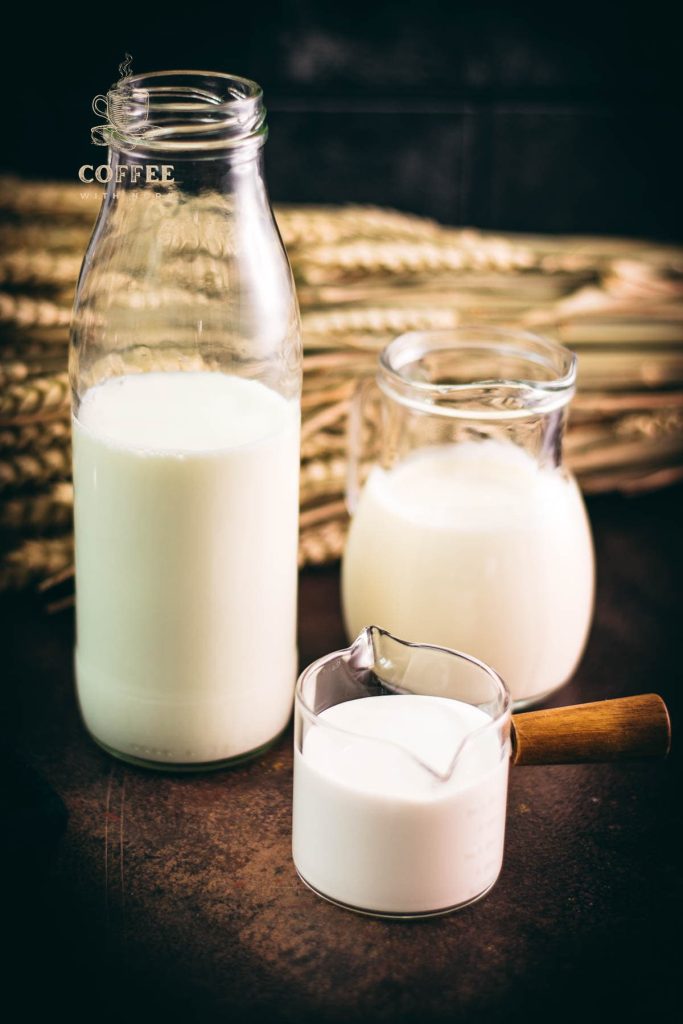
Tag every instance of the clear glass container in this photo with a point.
(401, 757)
(186, 374)
(469, 532)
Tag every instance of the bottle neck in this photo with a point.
(165, 172)
(194, 128)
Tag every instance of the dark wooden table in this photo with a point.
(175, 898)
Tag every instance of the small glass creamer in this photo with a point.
(401, 755)
(469, 531)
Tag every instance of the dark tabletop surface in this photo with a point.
(174, 897)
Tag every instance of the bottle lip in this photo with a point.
(184, 111)
(477, 371)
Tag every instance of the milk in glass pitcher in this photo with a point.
(469, 531)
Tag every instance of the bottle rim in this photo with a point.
(465, 372)
(185, 111)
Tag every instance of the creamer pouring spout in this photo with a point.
(625, 728)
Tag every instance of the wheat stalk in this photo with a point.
(33, 398)
(364, 275)
(321, 476)
(27, 312)
(47, 512)
(28, 237)
(324, 543)
(33, 560)
(34, 468)
(49, 199)
(35, 437)
(13, 373)
(44, 268)
(631, 480)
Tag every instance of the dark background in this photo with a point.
(560, 118)
(565, 118)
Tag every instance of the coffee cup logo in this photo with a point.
(125, 111)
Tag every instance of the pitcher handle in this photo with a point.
(623, 729)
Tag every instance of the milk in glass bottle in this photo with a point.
(186, 375)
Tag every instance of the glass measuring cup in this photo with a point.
(469, 531)
(399, 805)
(399, 810)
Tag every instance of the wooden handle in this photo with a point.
(608, 730)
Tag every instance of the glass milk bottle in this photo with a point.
(469, 532)
(186, 376)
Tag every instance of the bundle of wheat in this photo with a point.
(364, 275)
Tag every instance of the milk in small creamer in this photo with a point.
(392, 814)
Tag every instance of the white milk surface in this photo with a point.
(473, 546)
(383, 821)
(186, 515)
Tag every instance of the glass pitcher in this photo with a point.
(401, 755)
(186, 375)
(469, 532)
